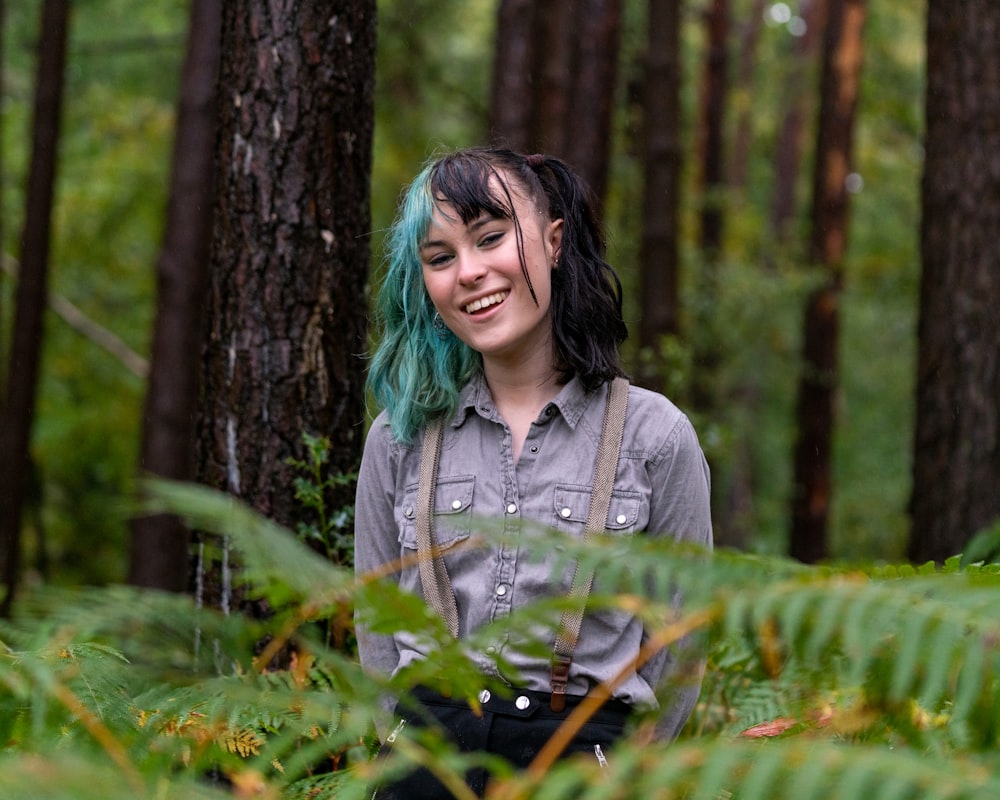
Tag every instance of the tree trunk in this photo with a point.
(842, 59)
(511, 122)
(712, 116)
(555, 31)
(555, 71)
(32, 289)
(744, 79)
(956, 459)
(659, 249)
(3, 254)
(587, 133)
(159, 551)
(788, 150)
(287, 303)
(713, 132)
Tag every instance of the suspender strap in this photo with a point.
(433, 573)
(434, 576)
(600, 501)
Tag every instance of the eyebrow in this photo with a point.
(476, 224)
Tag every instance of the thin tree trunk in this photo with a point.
(554, 35)
(714, 97)
(554, 77)
(513, 82)
(3, 254)
(744, 79)
(594, 79)
(788, 150)
(842, 60)
(956, 457)
(705, 342)
(659, 255)
(32, 288)
(159, 551)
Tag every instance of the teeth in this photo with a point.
(485, 302)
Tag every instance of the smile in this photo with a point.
(485, 302)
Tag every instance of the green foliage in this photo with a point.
(123, 70)
(821, 682)
(329, 530)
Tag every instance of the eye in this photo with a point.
(437, 260)
(491, 238)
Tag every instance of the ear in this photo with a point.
(553, 240)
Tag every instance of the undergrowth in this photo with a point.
(829, 682)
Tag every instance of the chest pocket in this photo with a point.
(571, 505)
(452, 512)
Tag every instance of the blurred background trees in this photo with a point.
(697, 122)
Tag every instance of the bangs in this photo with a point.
(472, 186)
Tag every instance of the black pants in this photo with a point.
(516, 728)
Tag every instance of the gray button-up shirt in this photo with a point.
(662, 487)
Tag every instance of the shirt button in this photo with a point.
(522, 702)
(501, 590)
(484, 696)
(408, 512)
(564, 513)
(621, 519)
(511, 508)
(456, 504)
(490, 650)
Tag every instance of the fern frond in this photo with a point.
(797, 769)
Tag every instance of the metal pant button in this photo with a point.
(484, 696)
(522, 702)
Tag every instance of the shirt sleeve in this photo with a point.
(376, 541)
(680, 508)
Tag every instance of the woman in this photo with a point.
(501, 323)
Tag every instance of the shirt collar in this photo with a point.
(571, 402)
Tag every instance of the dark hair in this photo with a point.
(416, 374)
(587, 321)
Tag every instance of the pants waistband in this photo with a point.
(525, 703)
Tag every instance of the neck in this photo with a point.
(522, 388)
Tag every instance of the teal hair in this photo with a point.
(417, 372)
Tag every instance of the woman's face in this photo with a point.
(473, 276)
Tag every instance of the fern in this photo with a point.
(834, 682)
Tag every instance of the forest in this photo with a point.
(802, 200)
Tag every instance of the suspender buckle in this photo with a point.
(559, 678)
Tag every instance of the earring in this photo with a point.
(440, 328)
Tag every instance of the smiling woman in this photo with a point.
(499, 372)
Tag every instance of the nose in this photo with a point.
(471, 268)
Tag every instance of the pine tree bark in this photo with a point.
(287, 303)
(659, 250)
(956, 458)
(159, 546)
(32, 290)
(839, 91)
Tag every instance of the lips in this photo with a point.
(485, 302)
